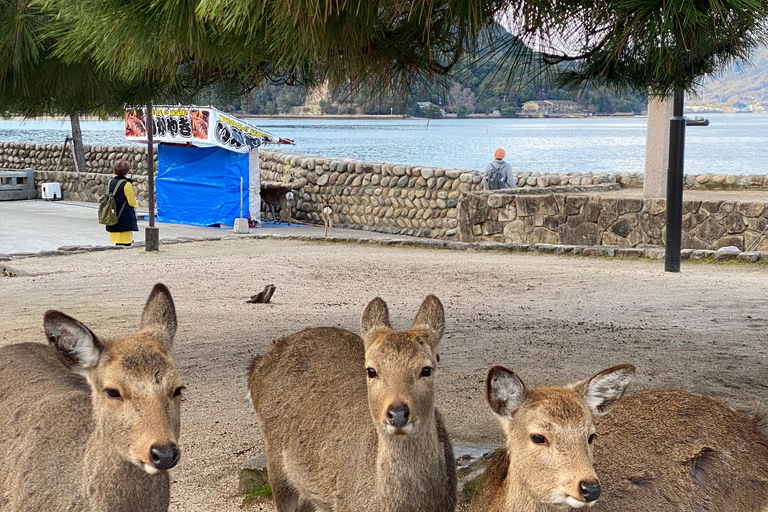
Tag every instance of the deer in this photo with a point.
(326, 213)
(547, 463)
(350, 422)
(676, 451)
(90, 424)
(275, 201)
(660, 450)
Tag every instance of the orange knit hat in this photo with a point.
(499, 154)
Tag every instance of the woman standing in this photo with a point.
(125, 202)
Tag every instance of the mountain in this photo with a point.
(742, 86)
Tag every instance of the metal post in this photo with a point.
(151, 234)
(675, 181)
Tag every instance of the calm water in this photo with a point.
(732, 143)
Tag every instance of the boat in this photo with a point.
(697, 121)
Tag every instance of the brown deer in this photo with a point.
(674, 451)
(350, 424)
(274, 201)
(662, 450)
(546, 465)
(88, 424)
(326, 213)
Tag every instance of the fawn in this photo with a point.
(90, 424)
(350, 424)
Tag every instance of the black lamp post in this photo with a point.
(675, 182)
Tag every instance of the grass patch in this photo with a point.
(265, 491)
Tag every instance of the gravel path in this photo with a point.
(552, 319)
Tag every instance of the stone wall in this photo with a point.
(578, 219)
(398, 199)
(85, 186)
(424, 201)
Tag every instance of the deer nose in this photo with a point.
(590, 491)
(397, 414)
(164, 457)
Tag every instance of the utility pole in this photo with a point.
(675, 182)
(151, 233)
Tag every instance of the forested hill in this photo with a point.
(740, 87)
(478, 86)
(481, 87)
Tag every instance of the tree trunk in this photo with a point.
(77, 141)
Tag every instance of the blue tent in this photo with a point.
(200, 186)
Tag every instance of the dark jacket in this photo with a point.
(127, 219)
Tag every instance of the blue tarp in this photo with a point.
(200, 186)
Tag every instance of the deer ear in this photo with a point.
(76, 345)
(602, 391)
(431, 316)
(159, 316)
(504, 391)
(375, 316)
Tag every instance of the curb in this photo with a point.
(598, 251)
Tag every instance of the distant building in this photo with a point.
(425, 107)
(551, 107)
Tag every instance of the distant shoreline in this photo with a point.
(370, 117)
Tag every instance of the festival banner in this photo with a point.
(197, 126)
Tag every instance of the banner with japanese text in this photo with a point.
(197, 126)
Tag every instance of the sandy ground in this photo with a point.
(553, 319)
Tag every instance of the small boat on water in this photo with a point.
(697, 121)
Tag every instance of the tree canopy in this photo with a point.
(657, 45)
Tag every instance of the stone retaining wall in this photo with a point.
(572, 219)
(401, 199)
(424, 201)
(86, 186)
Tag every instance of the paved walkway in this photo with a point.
(37, 225)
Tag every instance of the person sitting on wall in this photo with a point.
(499, 173)
(125, 202)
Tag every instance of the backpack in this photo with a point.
(107, 206)
(495, 179)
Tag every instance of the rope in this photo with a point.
(285, 175)
(756, 242)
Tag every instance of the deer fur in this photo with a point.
(88, 424)
(350, 424)
(546, 465)
(274, 201)
(674, 451)
(326, 213)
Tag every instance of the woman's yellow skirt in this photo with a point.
(123, 237)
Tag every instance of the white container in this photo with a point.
(51, 191)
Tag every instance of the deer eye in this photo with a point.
(371, 373)
(113, 394)
(538, 439)
(592, 438)
(178, 390)
(426, 371)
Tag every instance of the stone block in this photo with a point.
(749, 257)
(526, 205)
(654, 254)
(751, 209)
(253, 475)
(628, 206)
(599, 250)
(630, 252)
(606, 219)
(586, 233)
(591, 209)
(731, 240)
(614, 240)
(545, 236)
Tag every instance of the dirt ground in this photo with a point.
(552, 319)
